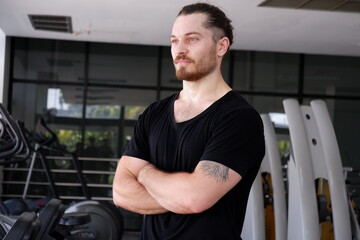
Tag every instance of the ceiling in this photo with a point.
(149, 22)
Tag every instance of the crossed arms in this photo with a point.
(142, 188)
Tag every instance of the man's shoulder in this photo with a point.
(235, 102)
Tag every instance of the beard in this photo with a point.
(203, 67)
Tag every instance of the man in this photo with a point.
(194, 155)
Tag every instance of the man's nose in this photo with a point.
(181, 48)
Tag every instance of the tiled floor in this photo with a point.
(131, 235)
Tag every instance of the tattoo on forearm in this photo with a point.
(215, 170)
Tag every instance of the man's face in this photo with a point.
(192, 48)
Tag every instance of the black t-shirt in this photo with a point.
(229, 132)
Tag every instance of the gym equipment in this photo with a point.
(49, 217)
(51, 223)
(26, 227)
(334, 170)
(315, 156)
(271, 166)
(106, 221)
(12, 139)
(42, 143)
(268, 204)
(255, 218)
(355, 228)
(12, 143)
(254, 222)
(303, 218)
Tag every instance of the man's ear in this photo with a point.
(223, 46)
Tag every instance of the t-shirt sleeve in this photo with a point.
(237, 141)
(138, 146)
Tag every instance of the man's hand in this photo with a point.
(187, 193)
(143, 172)
(128, 193)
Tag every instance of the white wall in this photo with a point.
(2, 82)
(3, 78)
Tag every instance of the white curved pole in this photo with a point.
(254, 222)
(272, 165)
(304, 226)
(333, 165)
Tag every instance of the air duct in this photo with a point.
(51, 23)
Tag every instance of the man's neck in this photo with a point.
(198, 96)
(208, 89)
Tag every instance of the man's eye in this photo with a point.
(173, 41)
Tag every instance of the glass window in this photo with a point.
(133, 112)
(31, 101)
(165, 94)
(49, 60)
(69, 135)
(62, 113)
(103, 110)
(168, 78)
(266, 104)
(128, 134)
(225, 67)
(241, 63)
(123, 64)
(265, 71)
(332, 75)
(65, 100)
(115, 108)
(105, 103)
(102, 103)
(101, 141)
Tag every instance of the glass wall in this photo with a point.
(266, 72)
(93, 90)
(127, 65)
(44, 60)
(91, 94)
(337, 80)
(332, 76)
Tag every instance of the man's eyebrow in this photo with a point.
(191, 33)
(187, 34)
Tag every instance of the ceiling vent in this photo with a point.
(327, 5)
(51, 23)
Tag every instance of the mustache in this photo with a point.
(183, 57)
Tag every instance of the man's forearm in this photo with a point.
(168, 189)
(129, 194)
(187, 193)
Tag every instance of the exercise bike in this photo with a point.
(106, 220)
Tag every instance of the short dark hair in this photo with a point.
(216, 19)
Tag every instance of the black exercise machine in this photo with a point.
(106, 220)
(82, 220)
